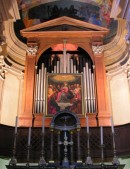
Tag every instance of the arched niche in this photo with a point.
(64, 124)
(65, 120)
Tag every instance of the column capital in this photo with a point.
(97, 49)
(32, 50)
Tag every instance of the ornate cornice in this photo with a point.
(15, 48)
(117, 50)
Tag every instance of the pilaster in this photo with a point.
(26, 115)
(101, 83)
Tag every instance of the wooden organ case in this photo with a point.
(87, 59)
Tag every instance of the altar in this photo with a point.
(98, 166)
(64, 125)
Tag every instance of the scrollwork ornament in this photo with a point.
(2, 68)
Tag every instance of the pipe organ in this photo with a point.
(66, 62)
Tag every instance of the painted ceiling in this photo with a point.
(92, 11)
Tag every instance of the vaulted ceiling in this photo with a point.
(23, 14)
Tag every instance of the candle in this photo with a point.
(101, 134)
(29, 136)
(112, 125)
(16, 123)
(43, 119)
(87, 124)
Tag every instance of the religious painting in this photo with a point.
(92, 11)
(64, 91)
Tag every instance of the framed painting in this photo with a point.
(64, 91)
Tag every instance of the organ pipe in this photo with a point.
(45, 70)
(71, 66)
(85, 90)
(58, 65)
(94, 101)
(88, 87)
(61, 66)
(66, 63)
(91, 96)
(64, 57)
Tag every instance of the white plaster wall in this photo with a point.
(9, 100)
(3, 163)
(1, 93)
(120, 99)
(126, 162)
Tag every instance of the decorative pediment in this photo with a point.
(65, 24)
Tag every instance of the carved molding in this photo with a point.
(127, 70)
(116, 51)
(127, 37)
(9, 10)
(15, 48)
(113, 52)
(2, 68)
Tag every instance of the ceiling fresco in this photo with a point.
(92, 11)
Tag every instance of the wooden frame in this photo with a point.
(64, 91)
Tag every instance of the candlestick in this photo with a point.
(43, 120)
(16, 123)
(112, 125)
(29, 136)
(87, 124)
(101, 132)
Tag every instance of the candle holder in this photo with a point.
(102, 154)
(28, 155)
(88, 158)
(13, 160)
(115, 158)
(42, 161)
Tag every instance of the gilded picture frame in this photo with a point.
(64, 91)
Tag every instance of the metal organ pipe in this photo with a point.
(91, 96)
(85, 89)
(88, 87)
(94, 99)
(94, 90)
(42, 82)
(64, 57)
(71, 66)
(36, 91)
(39, 83)
(74, 60)
(66, 63)
(44, 89)
(58, 66)
(61, 64)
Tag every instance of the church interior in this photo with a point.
(64, 84)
